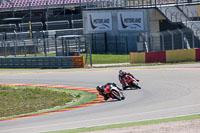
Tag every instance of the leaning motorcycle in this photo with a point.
(131, 82)
(113, 93)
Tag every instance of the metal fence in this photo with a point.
(56, 43)
(60, 43)
(106, 44)
(167, 40)
(144, 42)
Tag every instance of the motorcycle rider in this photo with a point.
(104, 89)
(122, 74)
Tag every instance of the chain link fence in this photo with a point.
(60, 43)
(167, 40)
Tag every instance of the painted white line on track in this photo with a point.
(95, 125)
(156, 111)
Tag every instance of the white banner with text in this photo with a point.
(99, 21)
(130, 21)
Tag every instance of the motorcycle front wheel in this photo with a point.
(116, 95)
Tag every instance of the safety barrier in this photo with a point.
(42, 62)
(169, 56)
(184, 55)
(155, 57)
(137, 57)
(197, 54)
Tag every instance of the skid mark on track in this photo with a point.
(94, 102)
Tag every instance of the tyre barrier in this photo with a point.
(169, 56)
(42, 62)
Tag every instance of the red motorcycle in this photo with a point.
(112, 91)
(131, 82)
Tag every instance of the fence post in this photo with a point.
(116, 44)
(45, 52)
(15, 43)
(35, 48)
(4, 42)
(5, 49)
(67, 48)
(182, 38)
(37, 42)
(193, 41)
(127, 44)
(106, 45)
(172, 39)
(146, 42)
(92, 46)
(24, 48)
(89, 48)
(56, 45)
(162, 41)
(62, 46)
(95, 44)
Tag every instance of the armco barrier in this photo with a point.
(42, 62)
(169, 56)
(180, 55)
(155, 57)
(137, 57)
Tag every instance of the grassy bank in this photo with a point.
(15, 100)
(18, 101)
(107, 58)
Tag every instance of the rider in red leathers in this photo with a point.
(105, 89)
(122, 74)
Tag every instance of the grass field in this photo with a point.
(108, 58)
(17, 101)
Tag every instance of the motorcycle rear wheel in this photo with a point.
(135, 86)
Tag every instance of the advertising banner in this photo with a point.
(133, 21)
(99, 21)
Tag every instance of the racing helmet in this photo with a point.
(121, 72)
(98, 88)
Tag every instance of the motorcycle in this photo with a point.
(113, 92)
(131, 82)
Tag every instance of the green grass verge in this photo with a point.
(108, 58)
(190, 117)
(15, 100)
(20, 101)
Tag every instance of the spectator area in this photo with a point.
(33, 3)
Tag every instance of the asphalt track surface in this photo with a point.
(167, 91)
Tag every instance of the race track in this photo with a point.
(167, 91)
